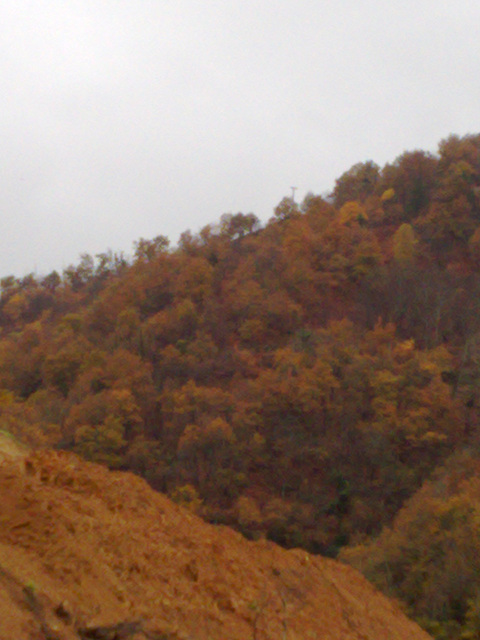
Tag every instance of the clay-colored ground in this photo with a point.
(82, 547)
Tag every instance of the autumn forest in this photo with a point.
(313, 380)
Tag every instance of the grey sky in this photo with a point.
(124, 119)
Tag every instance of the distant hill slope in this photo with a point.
(89, 553)
(299, 380)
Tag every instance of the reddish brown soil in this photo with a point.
(83, 548)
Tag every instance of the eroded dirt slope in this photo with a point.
(89, 553)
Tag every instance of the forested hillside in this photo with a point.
(299, 381)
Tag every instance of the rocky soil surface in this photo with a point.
(89, 553)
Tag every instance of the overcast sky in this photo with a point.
(123, 119)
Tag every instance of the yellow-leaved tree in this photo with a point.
(404, 244)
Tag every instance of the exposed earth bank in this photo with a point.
(89, 553)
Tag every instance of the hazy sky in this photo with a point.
(123, 119)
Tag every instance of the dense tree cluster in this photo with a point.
(299, 381)
(430, 556)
